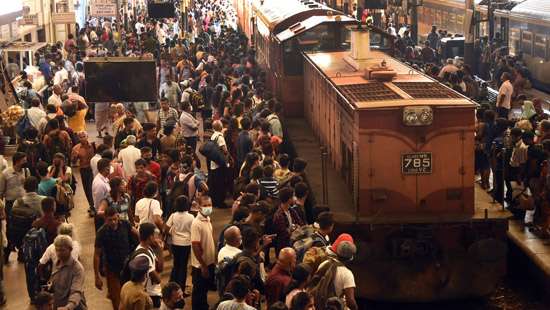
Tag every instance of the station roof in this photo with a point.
(311, 23)
(278, 15)
(533, 9)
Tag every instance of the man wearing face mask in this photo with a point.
(203, 259)
(152, 166)
(172, 297)
(150, 139)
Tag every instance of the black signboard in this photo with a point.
(416, 163)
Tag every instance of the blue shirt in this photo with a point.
(46, 187)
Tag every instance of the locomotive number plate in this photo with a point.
(416, 163)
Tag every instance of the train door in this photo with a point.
(502, 26)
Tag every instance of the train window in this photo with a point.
(527, 42)
(540, 46)
(514, 41)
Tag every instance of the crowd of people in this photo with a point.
(153, 181)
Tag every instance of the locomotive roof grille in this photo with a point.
(427, 90)
(368, 92)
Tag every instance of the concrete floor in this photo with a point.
(14, 273)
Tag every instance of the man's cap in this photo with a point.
(139, 263)
(344, 246)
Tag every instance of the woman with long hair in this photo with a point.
(118, 198)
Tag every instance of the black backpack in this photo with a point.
(212, 151)
(126, 273)
(35, 243)
(179, 188)
(21, 219)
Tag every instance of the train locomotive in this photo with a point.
(404, 143)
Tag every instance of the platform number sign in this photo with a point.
(416, 163)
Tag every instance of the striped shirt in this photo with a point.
(270, 185)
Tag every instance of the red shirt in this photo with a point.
(137, 183)
(154, 168)
(277, 280)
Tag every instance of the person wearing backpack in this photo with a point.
(113, 243)
(285, 219)
(216, 175)
(57, 140)
(11, 188)
(25, 211)
(36, 151)
(333, 278)
(132, 295)
(150, 247)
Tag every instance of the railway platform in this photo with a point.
(534, 251)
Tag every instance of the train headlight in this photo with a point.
(417, 116)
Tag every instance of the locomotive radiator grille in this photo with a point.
(427, 90)
(368, 92)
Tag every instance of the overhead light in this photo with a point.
(418, 116)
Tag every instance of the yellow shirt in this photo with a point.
(134, 297)
(77, 122)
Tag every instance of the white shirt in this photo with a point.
(343, 279)
(51, 255)
(138, 27)
(218, 137)
(228, 251)
(146, 208)
(93, 163)
(35, 114)
(189, 125)
(60, 76)
(55, 100)
(180, 228)
(506, 90)
(150, 288)
(128, 156)
(100, 189)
